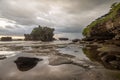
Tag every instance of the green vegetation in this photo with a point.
(42, 33)
(92, 54)
(115, 8)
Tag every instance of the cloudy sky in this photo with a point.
(68, 17)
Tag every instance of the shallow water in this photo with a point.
(74, 50)
(59, 61)
(42, 71)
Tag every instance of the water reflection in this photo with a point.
(109, 59)
(26, 63)
(72, 49)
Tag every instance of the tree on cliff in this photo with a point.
(42, 33)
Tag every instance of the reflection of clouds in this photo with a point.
(12, 74)
(54, 69)
(68, 35)
(8, 53)
(42, 71)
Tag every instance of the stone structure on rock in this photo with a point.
(40, 33)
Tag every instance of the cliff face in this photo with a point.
(105, 27)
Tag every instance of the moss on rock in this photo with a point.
(112, 14)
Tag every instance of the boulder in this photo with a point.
(63, 39)
(75, 40)
(26, 63)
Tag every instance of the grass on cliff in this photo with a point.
(115, 8)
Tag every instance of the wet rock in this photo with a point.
(102, 54)
(16, 48)
(61, 46)
(83, 65)
(65, 55)
(58, 60)
(6, 39)
(108, 58)
(118, 57)
(63, 39)
(115, 64)
(92, 46)
(75, 40)
(26, 63)
(117, 43)
(2, 57)
(4, 49)
(100, 41)
(117, 37)
(76, 51)
(82, 42)
(107, 55)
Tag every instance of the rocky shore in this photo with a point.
(103, 38)
(62, 60)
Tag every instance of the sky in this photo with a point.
(68, 17)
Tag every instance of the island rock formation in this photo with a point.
(40, 33)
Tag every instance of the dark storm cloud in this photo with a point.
(72, 29)
(67, 16)
(77, 6)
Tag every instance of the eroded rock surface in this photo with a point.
(106, 27)
(53, 61)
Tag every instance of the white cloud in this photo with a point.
(22, 15)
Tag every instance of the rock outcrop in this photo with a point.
(106, 27)
(26, 63)
(110, 58)
(63, 39)
(76, 40)
(40, 34)
(6, 38)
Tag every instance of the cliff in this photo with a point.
(106, 27)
